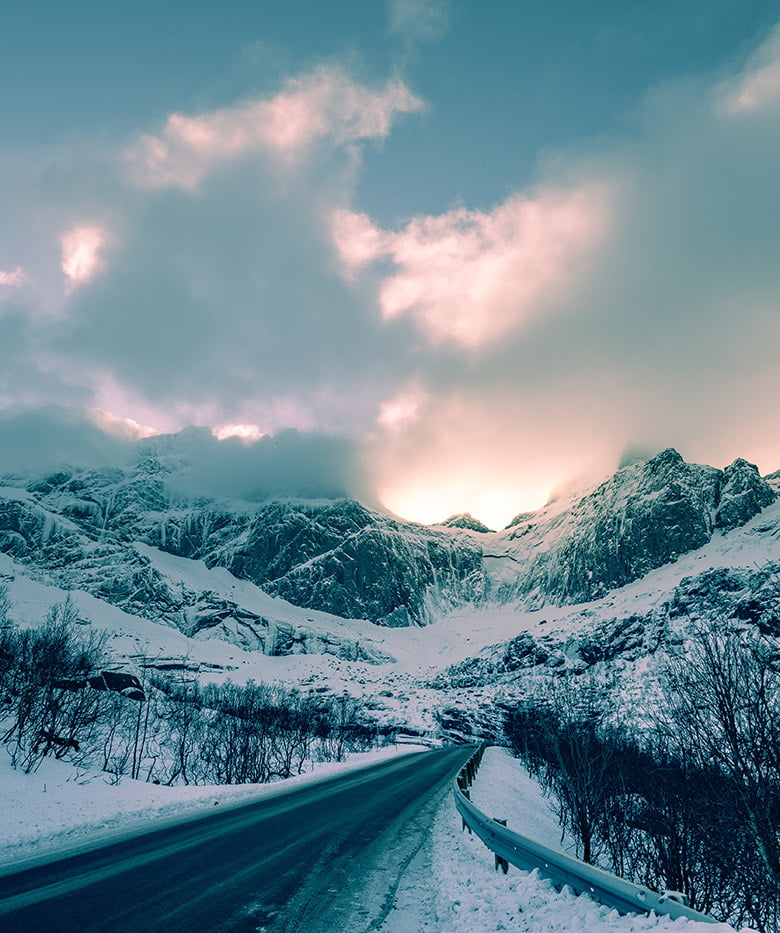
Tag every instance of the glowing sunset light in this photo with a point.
(437, 500)
(247, 432)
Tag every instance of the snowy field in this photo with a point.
(453, 887)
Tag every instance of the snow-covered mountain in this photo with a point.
(333, 555)
(447, 617)
(643, 517)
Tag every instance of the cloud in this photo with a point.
(35, 441)
(12, 278)
(81, 252)
(418, 19)
(44, 439)
(470, 276)
(228, 308)
(480, 358)
(289, 464)
(662, 330)
(494, 450)
(218, 298)
(403, 409)
(757, 88)
(324, 105)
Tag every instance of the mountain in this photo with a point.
(644, 516)
(340, 557)
(467, 521)
(449, 619)
(336, 556)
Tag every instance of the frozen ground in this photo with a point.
(452, 887)
(59, 809)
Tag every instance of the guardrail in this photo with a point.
(511, 848)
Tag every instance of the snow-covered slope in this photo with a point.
(643, 517)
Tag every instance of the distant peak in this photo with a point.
(467, 521)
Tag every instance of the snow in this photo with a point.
(504, 790)
(59, 810)
(453, 887)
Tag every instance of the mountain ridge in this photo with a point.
(82, 527)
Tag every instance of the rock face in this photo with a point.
(338, 556)
(642, 517)
(720, 599)
(742, 495)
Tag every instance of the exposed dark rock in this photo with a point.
(743, 494)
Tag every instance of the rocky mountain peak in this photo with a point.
(743, 494)
(465, 520)
(644, 516)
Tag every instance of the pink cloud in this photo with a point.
(81, 247)
(470, 277)
(13, 278)
(324, 104)
(119, 426)
(402, 409)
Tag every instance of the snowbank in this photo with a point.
(457, 890)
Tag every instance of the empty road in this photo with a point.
(289, 863)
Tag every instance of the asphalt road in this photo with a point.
(284, 864)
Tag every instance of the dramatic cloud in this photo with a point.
(223, 271)
(325, 105)
(218, 299)
(471, 277)
(42, 440)
(666, 323)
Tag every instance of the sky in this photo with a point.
(446, 256)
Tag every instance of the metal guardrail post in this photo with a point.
(500, 862)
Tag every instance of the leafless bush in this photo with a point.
(691, 805)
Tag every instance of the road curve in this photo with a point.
(273, 866)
